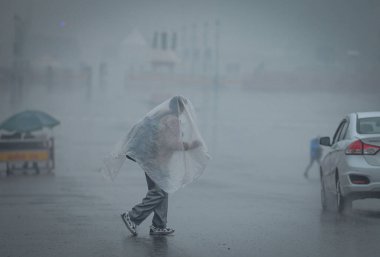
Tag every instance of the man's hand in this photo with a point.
(194, 144)
(185, 146)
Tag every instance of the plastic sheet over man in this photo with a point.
(166, 143)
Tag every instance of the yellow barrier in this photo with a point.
(42, 155)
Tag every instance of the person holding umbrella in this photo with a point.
(33, 149)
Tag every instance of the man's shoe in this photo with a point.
(160, 231)
(130, 224)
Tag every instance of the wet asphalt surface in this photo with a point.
(251, 201)
(54, 215)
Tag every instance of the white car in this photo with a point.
(351, 168)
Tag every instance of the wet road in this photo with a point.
(251, 201)
(79, 216)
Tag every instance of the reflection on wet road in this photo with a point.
(153, 246)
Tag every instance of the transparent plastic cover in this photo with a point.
(166, 143)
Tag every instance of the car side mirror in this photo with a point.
(325, 141)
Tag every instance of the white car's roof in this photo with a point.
(368, 114)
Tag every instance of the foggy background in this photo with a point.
(264, 77)
(303, 44)
(261, 67)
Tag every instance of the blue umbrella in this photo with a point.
(28, 121)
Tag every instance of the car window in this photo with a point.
(337, 132)
(369, 125)
(343, 131)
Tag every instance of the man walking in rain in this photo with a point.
(315, 155)
(167, 145)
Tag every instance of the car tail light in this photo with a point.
(360, 148)
(355, 148)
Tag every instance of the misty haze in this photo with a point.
(264, 77)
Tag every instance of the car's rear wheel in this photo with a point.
(342, 203)
(323, 195)
(339, 198)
